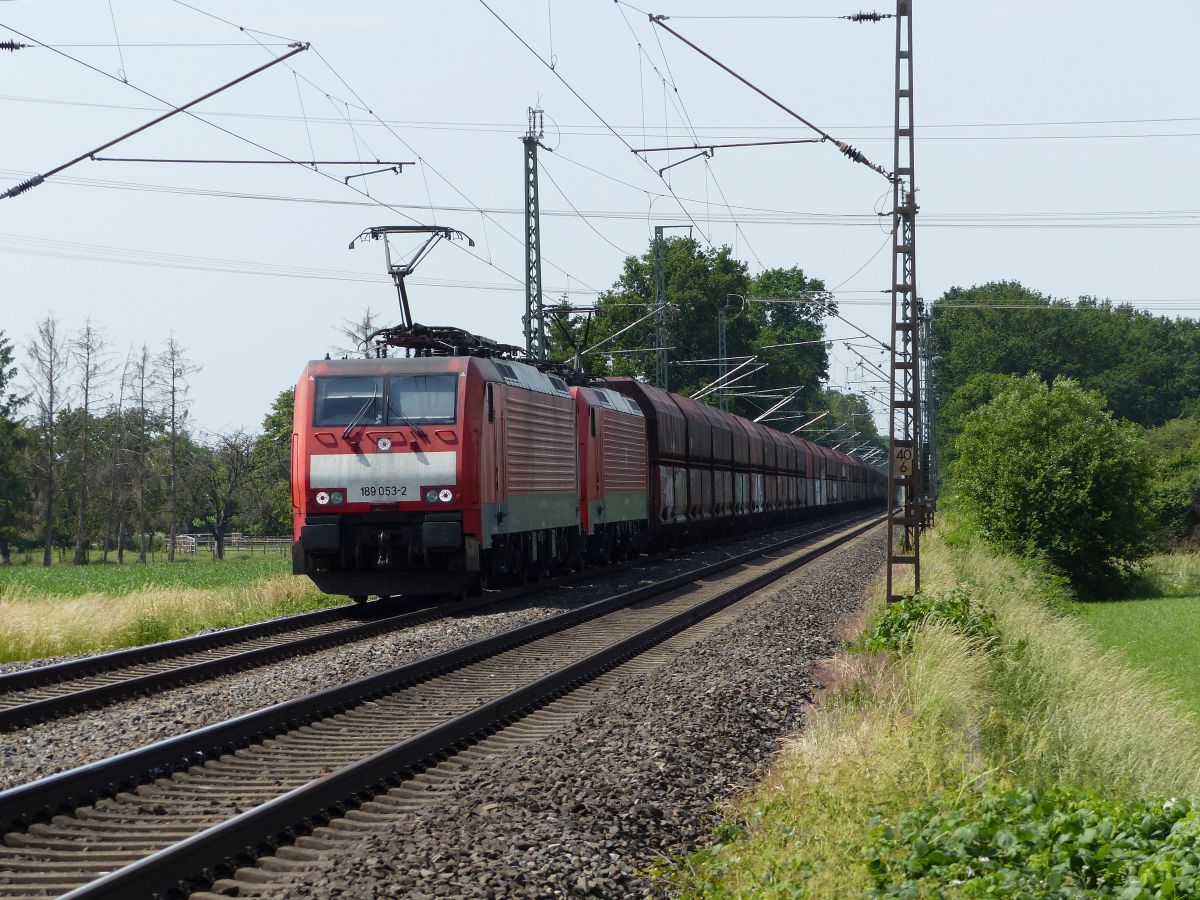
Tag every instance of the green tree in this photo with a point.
(268, 509)
(778, 306)
(1147, 367)
(13, 488)
(216, 479)
(1047, 471)
(978, 390)
(1176, 446)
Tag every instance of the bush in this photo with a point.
(893, 630)
(1059, 843)
(1045, 471)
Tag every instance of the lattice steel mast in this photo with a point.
(930, 478)
(661, 328)
(904, 418)
(534, 320)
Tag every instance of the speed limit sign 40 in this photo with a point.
(903, 461)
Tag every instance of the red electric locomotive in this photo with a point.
(419, 475)
(439, 471)
(433, 474)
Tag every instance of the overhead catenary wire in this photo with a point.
(593, 111)
(175, 110)
(686, 117)
(362, 105)
(849, 152)
(252, 162)
(1055, 220)
(582, 217)
(584, 130)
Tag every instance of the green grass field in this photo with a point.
(1158, 634)
(68, 610)
(116, 580)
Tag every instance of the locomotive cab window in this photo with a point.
(341, 400)
(421, 399)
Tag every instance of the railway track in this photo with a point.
(181, 813)
(43, 693)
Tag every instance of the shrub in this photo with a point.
(1057, 843)
(894, 628)
(1046, 471)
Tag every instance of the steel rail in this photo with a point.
(203, 857)
(47, 708)
(72, 669)
(41, 800)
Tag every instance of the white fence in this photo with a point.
(246, 543)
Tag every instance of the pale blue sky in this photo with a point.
(454, 86)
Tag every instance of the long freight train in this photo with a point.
(434, 474)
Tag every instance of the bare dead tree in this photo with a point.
(47, 372)
(92, 365)
(356, 334)
(118, 513)
(173, 369)
(139, 375)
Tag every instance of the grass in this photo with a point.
(1159, 632)
(31, 581)
(996, 750)
(72, 610)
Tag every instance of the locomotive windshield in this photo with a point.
(421, 399)
(342, 399)
(394, 400)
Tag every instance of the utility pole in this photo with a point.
(904, 518)
(929, 461)
(722, 355)
(535, 315)
(661, 334)
(662, 331)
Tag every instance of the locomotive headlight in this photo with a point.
(322, 498)
(384, 444)
(431, 495)
(337, 498)
(445, 495)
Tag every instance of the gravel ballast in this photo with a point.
(66, 743)
(632, 781)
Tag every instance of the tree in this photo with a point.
(172, 371)
(216, 480)
(145, 424)
(12, 441)
(357, 334)
(790, 335)
(269, 502)
(1047, 471)
(88, 354)
(698, 284)
(1147, 367)
(1176, 446)
(48, 361)
(975, 392)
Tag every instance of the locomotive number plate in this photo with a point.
(375, 491)
(374, 477)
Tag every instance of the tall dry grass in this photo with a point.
(891, 734)
(33, 627)
(1066, 709)
(1038, 703)
(1172, 575)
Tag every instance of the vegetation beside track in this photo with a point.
(69, 610)
(1156, 626)
(978, 741)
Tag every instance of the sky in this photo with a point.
(1055, 145)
